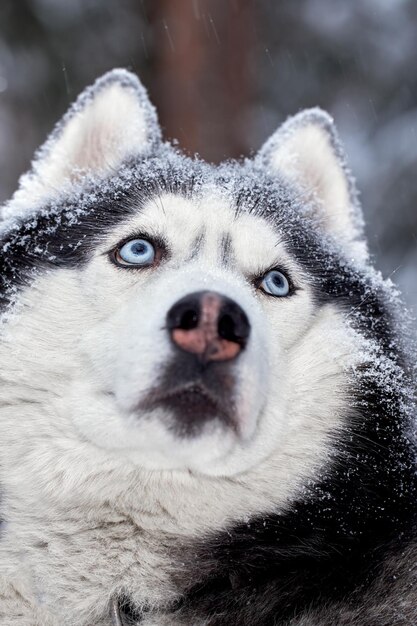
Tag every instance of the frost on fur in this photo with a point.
(307, 151)
(110, 122)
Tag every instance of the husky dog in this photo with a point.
(206, 394)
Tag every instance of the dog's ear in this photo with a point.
(306, 151)
(110, 122)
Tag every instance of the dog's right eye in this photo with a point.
(138, 252)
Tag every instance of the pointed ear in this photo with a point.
(110, 122)
(306, 151)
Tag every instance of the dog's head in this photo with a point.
(176, 314)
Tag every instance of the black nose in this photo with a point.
(210, 325)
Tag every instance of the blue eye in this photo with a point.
(138, 252)
(276, 284)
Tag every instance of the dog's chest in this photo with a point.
(74, 567)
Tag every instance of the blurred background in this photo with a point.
(224, 74)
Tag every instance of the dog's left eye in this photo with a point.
(138, 252)
(275, 283)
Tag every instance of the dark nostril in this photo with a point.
(233, 324)
(226, 327)
(188, 320)
(184, 315)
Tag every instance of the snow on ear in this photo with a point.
(111, 121)
(306, 150)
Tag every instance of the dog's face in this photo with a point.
(190, 333)
(189, 358)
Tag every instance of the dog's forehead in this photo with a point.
(207, 224)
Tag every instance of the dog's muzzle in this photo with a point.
(208, 332)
